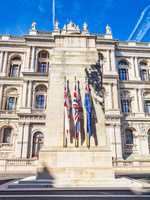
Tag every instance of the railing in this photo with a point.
(132, 163)
(18, 166)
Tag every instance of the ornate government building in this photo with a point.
(27, 62)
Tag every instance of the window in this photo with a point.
(144, 75)
(14, 71)
(15, 65)
(123, 74)
(43, 54)
(40, 97)
(6, 135)
(11, 103)
(40, 101)
(147, 107)
(43, 62)
(129, 137)
(42, 67)
(38, 140)
(125, 105)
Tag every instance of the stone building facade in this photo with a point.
(26, 63)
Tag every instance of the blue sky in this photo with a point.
(16, 16)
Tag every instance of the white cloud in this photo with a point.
(142, 26)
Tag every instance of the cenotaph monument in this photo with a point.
(71, 165)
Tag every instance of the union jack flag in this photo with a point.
(76, 112)
(67, 110)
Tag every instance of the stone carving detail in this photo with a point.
(85, 28)
(71, 28)
(108, 30)
(56, 26)
(33, 26)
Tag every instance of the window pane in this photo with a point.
(129, 137)
(40, 101)
(125, 104)
(42, 68)
(123, 74)
(14, 70)
(11, 103)
(147, 107)
(144, 75)
(7, 135)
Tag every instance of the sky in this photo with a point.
(16, 16)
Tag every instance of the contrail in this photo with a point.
(53, 12)
(143, 25)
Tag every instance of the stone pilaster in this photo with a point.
(29, 94)
(108, 60)
(140, 101)
(4, 70)
(118, 141)
(23, 140)
(113, 62)
(115, 97)
(1, 96)
(1, 61)
(32, 68)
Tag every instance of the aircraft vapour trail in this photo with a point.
(142, 26)
(53, 12)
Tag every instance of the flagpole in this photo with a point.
(64, 135)
(75, 123)
(54, 12)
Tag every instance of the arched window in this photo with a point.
(43, 62)
(128, 143)
(10, 99)
(38, 140)
(125, 102)
(40, 97)
(123, 70)
(6, 134)
(144, 72)
(129, 137)
(15, 65)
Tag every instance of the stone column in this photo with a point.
(113, 62)
(136, 68)
(1, 61)
(137, 102)
(19, 144)
(33, 60)
(23, 139)
(111, 96)
(4, 70)
(140, 101)
(24, 94)
(108, 60)
(29, 99)
(115, 97)
(117, 142)
(132, 71)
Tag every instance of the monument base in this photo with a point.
(72, 167)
